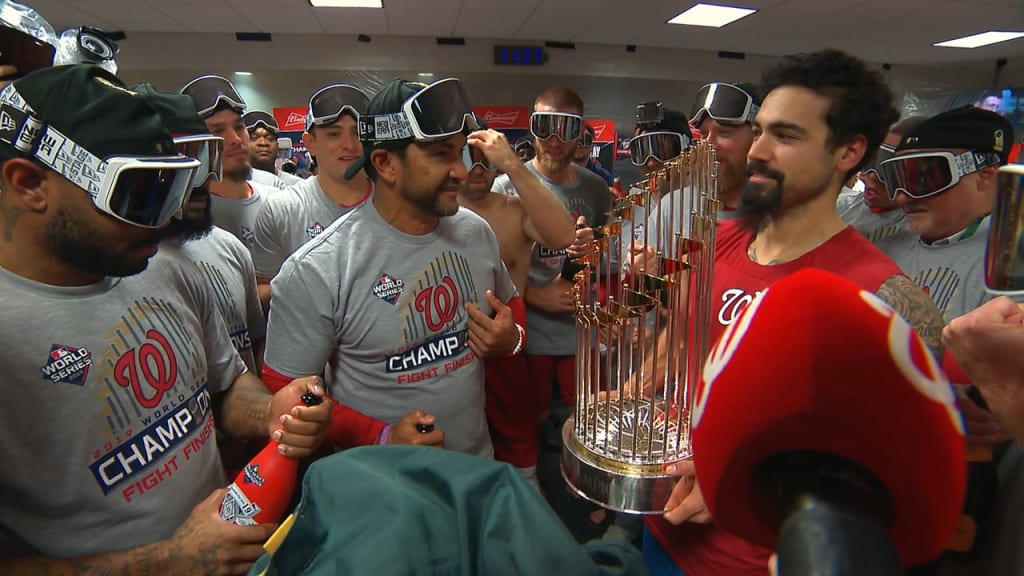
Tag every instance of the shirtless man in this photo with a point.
(534, 215)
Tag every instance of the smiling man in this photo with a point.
(824, 114)
(400, 299)
(287, 221)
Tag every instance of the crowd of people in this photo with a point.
(169, 293)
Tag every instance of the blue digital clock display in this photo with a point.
(519, 55)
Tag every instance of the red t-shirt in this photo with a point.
(706, 550)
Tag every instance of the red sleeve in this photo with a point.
(518, 310)
(349, 428)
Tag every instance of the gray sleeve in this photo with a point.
(846, 205)
(301, 332)
(254, 318)
(503, 185)
(268, 252)
(223, 364)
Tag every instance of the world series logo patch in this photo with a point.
(388, 288)
(67, 364)
(314, 230)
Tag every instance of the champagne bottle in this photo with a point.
(263, 489)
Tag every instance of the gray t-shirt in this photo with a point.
(239, 216)
(385, 313)
(555, 334)
(951, 272)
(290, 219)
(106, 393)
(226, 266)
(874, 226)
(264, 178)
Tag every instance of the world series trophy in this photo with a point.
(617, 441)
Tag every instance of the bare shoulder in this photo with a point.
(917, 308)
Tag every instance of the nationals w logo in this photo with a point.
(438, 304)
(152, 362)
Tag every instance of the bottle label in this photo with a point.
(237, 507)
(252, 474)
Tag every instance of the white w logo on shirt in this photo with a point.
(734, 302)
(724, 350)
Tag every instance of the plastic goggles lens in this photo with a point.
(329, 103)
(209, 150)
(588, 139)
(930, 173)
(437, 111)
(473, 157)
(724, 103)
(885, 152)
(260, 119)
(1004, 257)
(662, 146)
(208, 92)
(441, 110)
(565, 127)
(146, 192)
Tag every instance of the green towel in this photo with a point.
(406, 510)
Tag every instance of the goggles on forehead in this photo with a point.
(260, 119)
(1004, 255)
(210, 91)
(144, 191)
(330, 102)
(473, 157)
(662, 146)
(926, 174)
(885, 152)
(437, 111)
(724, 103)
(206, 148)
(565, 127)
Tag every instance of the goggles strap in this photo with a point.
(35, 139)
(970, 162)
(380, 127)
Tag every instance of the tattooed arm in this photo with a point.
(243, 411)
(203, 545)
(248, 410)
(917, 308)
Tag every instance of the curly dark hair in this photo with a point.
(861, 102)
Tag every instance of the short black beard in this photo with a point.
(76, 243)
(760, 202)
(195, 228)
(431, 204)
(189, 229)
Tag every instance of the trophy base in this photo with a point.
(629, 488)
